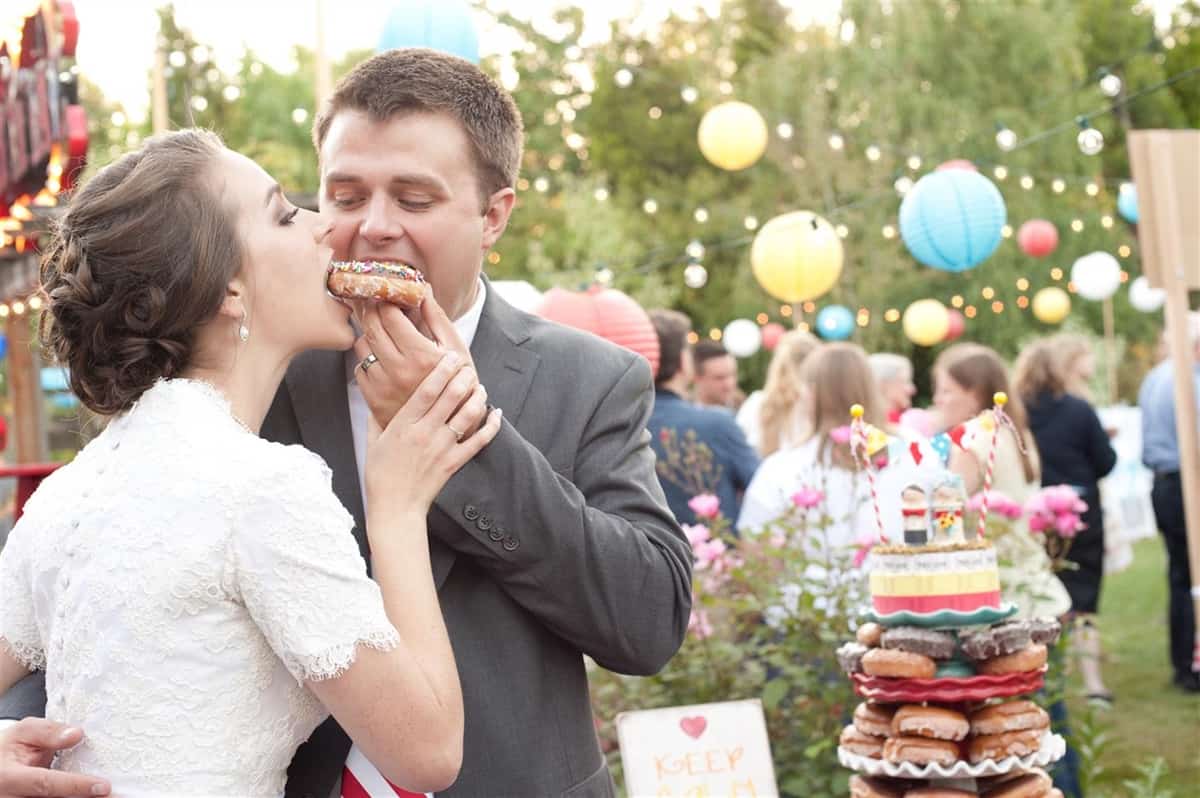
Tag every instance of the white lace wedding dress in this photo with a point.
(178, 582)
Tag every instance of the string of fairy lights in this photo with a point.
(1089, 141)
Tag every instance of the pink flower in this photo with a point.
(699, 625)
(864, 542)
(696, 533)
(1061, 499)
(808, 498)
(840, 434)
(708, 553)
(705, 505)
(1067, 525)
(998, 503)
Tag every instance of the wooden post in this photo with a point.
(28, 432)
(1110, 350)
(1166, 170)
(159, 86)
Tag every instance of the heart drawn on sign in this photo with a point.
(693, 727)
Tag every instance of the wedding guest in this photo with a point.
(894, 374)
(1074, 450)
(1160, 453)
(715, 382)
(774, 418)
(700, 449)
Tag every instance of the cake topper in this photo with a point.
(914, 507)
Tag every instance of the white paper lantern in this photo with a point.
(1096, 276)
(1146, 297)
(742, 338)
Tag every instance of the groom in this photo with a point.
(555, 542)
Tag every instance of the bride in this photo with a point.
(192, 591)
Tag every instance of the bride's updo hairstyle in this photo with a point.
(137, 264)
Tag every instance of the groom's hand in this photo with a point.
(26, 750)
(406, 350)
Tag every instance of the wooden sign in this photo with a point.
(700, 751)
(1166, 171)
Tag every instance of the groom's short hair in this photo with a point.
(417, 80)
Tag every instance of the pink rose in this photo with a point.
(708, 553)
(807, 498)
(1067, 525)
(1060, 499)
(696, 533)
(840, 434)
(863, 543)
(705, 505)
(1038, 523)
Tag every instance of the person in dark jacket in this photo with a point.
(1075, 451)
(700, 449)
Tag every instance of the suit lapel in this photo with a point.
(316, 383)
(506, 370)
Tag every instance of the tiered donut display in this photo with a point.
(944, 669)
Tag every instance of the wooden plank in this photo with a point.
(28, 430)
(1166, 169)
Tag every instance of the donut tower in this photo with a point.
(944, 669)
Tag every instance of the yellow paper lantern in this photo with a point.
(797, 256)
(1051, 305)
(926, 322)
(733, 135)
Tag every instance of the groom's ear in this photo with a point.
(496, 214)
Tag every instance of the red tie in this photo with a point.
(361, 779)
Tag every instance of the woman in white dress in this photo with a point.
(193, 592)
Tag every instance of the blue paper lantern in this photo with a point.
(444, 25)
(1127, 204)
(3, 346)
(952, 220)
(835, 323)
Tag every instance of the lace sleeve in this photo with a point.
(300, 574)
(19, 634)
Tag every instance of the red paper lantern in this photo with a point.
(1037, 238)
(958, 325)
(957, 163)
(771, 333)
(606, 312)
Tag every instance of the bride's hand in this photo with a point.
(443, 425)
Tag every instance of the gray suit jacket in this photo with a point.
(554, 542)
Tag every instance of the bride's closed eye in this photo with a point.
(289, 218)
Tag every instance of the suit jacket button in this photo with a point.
(511, 544)
(470, 512)
(484, 523)
(497, 534)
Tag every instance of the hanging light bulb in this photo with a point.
(623, 78)
(1092, 189)
(650, 206)
(695, 250)
(1005, 138)
(873, 153)
(1091, 141)
(1059, 185)
(750, 223)
(785, 130)
(1110, 85)
(836, 142)
(701, 215)
(604, 276)
(903, 185)
(1026, 182)
(689, 95)
(914, 162)
(695, 275)
(1001, 172)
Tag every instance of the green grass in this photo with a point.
(1151, 718)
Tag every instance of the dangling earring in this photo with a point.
(243, 330)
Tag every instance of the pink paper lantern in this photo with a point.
(606, 312)
(958, 325)
(957, 163)
(771, 333)
(1037, 238)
